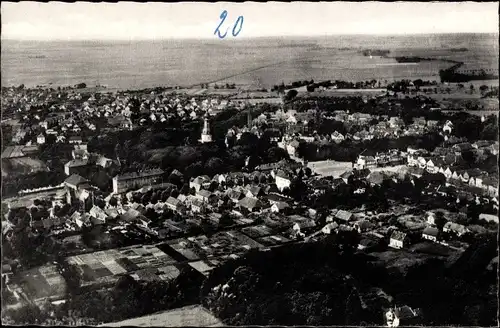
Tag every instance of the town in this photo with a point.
(158, 184)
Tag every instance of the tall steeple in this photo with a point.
(206, 136)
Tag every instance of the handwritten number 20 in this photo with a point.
(235, 32)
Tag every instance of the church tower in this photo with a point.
(205, 133)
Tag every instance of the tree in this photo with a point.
(276, 154)
(145, 199)
(185, 189)
(298, 190)
(174, 193)
(226, 220)
(440, 220)
(248, 140)
(194, 170)
(291, 94)
(164, 195)
(113, 201)
(214, 165)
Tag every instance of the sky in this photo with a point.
(136, 21)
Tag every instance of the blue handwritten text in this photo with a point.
(238, 25)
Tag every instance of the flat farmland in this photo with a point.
(189, 316)
(262, 62)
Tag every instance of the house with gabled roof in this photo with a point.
(455, 228)
(278, 207)
(75, 181)
(344, 216)
(398, 239)
(197, 206)
(235, 195)
(366, 161)
(337, 137)
(199, 182)
(402, 316)
(204, 195)
(75, 140)
(98, 214)
(173, 203)
(282, 180)
(75, 166)
(490, 184)
(434, 164)
(462, 147)
(346, 175)
(466, 175)
(250, 204)
(253, 191)
(430, 233)
(482, 143)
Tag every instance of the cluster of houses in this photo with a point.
(450, 163)
(83, 159)
(69, 116)
(392, 157)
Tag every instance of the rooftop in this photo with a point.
(136, 175)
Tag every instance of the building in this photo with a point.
(75, 165)
(204, 195)
(366, 161)
(430, 233)
(104, 162)
(279, 207)
(200, 182)
(398, 240)
(363, 226)
(253, 191)
(124, 182)
(329, 228)
(40, 139)
(197, 206)
(303, 227)
(448, 127)
(75, 140)
(402, 316)
(250, 204)
(455, 228)
(337, 137)
(431, 218)
(98, 215)
(75, 182)
(343, 216)
(488, 217)
(173, 203)
(80, 152)
(206, 136)
(282, 180)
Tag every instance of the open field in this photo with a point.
(329, 168)
(189, 316)
(262, 62)
(252, 101)
(476, 112)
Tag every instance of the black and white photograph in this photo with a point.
(195, 164)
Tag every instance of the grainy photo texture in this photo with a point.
(236, 164)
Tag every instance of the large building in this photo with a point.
(206, 136)
(124, 182)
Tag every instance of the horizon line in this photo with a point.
(5, 38)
